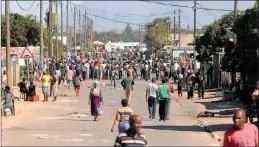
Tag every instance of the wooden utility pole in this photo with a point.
(75, 30)
(1, 62)
(233, 77)
(179, 19)
(50, 54)
(194, 34)
(79, 28)
(8, 59)
(41, 33)
(67, 32)
(85, 36)
(56, 30)
(88, 32)
(61, 7)
(174, 24)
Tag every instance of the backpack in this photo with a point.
(96, 92)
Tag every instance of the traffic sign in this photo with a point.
(26, 53)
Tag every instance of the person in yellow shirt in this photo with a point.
(45, 85)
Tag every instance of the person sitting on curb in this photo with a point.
(242, 134)
(8, 100)
(122, 117)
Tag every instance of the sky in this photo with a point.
(106, 14)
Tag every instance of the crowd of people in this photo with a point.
(71, 72)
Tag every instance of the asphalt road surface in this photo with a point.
(68, 122)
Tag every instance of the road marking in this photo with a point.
(107, 141)
(73, 140)
(85, 134)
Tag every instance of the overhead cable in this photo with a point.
(23, 8)
(174, 5)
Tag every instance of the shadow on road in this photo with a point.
(75, 120)
(175, 128)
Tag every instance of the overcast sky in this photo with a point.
(135, 12)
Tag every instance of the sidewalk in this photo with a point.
(216, 125)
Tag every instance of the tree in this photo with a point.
(25, 31)
(157, 34)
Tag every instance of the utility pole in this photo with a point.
(194, 34)
(8, 60)
(41, 33)
(50, 54)
(75, 29)
(85, 39)
(174, 24)
(67, 32)
(88, 33)
(61, 7)
(233, 77)
(1, 62)
(179, 19)
(80, 34)
(56, 30)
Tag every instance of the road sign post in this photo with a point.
(27, 54)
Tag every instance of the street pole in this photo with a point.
(194, 34)
(233, 77)
(174, 24)
(1, 63)
(50, 54)
(85, 37)
(8, 61)
(56, 30)
(41, 33)
(80, 34)
(61, 7)
(179, 19)
(88, 32)
(75, 30)
(67, 32)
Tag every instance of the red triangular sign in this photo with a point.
(26, 53)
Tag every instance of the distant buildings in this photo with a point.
(124, 45)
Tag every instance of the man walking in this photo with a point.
(163, 94)
(151, 98)
(171, 87)
(242, 134)
(127, 83)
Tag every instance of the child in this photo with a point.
(77, 82)
(179, 88)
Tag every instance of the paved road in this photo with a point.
(53, 124)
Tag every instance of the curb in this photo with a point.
(206, 126)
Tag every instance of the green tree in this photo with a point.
(157, 36)
(25, 31)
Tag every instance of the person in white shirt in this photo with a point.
(151, 98)
(87, 66)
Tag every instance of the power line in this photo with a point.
(114, 20)
(174, 5)
(23, 8)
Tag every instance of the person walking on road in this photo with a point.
(95, 99)
(171, 87)
(122, 116)
(132, 137)
(127, 83)
(77, 82)
(45, 85)
(151, 98)
(164, 95)
(69, 77)
(54, 85)
(242, 134)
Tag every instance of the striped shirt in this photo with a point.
(124, 113)
(126, 140)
